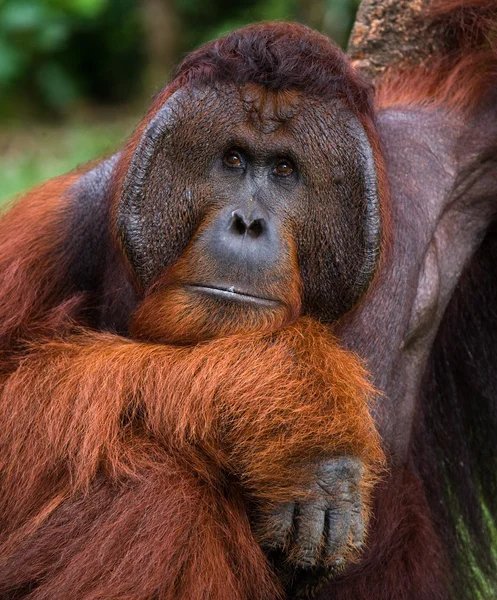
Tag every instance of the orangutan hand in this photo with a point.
(310, 541)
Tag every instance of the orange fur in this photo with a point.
(458, 79)
(94, 413)
(31, 250)
(457, 87)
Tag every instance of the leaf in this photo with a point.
(82, 8)
(11, 63)
(23, 15)
(53, 36)
(57, 86)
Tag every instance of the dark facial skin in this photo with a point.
(272, 188)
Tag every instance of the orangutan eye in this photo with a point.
(233, 160)
(283, 168)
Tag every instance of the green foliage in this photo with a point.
(338, 19)
(44, 55)
(39, 153)
(56, 55)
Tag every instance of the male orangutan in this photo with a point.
(178, 417)
(171, 394)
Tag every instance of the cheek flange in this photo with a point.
(372, 221)
(340, 242)
(159, 211)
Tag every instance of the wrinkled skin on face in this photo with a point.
(262, 194)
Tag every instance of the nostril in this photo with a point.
(238, 225)
(256, 228)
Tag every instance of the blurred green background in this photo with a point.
(75, 75)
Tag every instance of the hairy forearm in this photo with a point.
(255, 405)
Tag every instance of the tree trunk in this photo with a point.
(161, 26)
(391, 32)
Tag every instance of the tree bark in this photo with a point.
(388, 32)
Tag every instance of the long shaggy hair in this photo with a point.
(122, 462)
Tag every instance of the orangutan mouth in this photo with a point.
(231, 293)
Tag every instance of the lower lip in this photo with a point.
(232, 295)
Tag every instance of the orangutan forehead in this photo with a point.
(261, 108)
(267, 109)
(208, 120)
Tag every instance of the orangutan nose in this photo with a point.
(252, 226)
